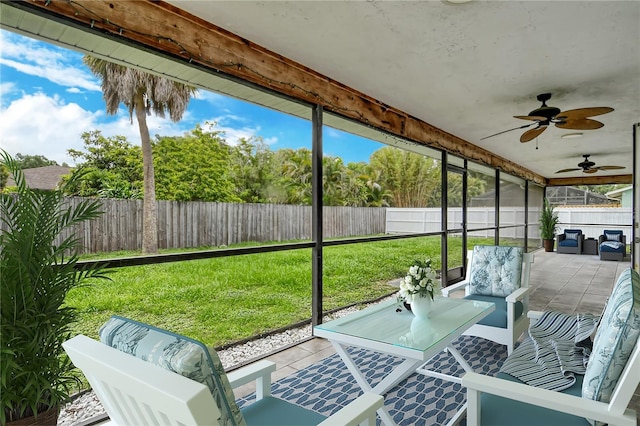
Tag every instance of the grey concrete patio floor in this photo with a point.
(563, 282)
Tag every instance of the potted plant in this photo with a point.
(418, 287)
(38, 266)
(548, 225)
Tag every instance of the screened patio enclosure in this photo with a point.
(433, 78)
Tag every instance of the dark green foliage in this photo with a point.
(201, 166)
(38, 256)
(193, 167)
(548, 221)
(33, 161)
(110, 167)
(254, 174)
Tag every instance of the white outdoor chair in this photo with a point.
(498, 274)
(599, 397)
(177, 383)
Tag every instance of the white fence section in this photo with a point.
(592, 221)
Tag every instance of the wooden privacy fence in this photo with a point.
(205, 224)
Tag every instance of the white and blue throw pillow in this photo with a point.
(615, 339)
(495, 270)
(178, 354)
(613, 236)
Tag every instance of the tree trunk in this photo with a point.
(149, 210)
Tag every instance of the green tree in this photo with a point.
(601, 189)
(111, 167)
(410, 178)
(33, 161)
(376, 195)
(294, 167)
(253, 171)
(142, 93)
(38, 267)
(194, 167)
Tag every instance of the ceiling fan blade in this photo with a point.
(532, 134)
(530, 117)
(567, 170)
(505, 131)
(576, 114)
(580, 124)
(592, 170)
(609, 167)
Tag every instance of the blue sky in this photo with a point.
(48, 98)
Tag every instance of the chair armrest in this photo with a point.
(519, 294)
(362, 411)
(259, 372)
(561, 237)
(456, 287)
(575, 405)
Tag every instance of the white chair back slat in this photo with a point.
(136, 392)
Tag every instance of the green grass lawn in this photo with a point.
(222, 300)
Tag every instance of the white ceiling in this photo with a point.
(465, 68)
(468, 68)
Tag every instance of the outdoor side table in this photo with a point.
(590, 246)
(380, 328)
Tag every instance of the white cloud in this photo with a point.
(211, 97)
(271, 141)
(39, 124)
(6, 88)
(233, 134)
(39, 59)
(333, 133)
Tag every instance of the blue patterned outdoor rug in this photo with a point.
(327, 386)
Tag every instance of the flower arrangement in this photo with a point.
(421, 281)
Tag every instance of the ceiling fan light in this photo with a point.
(571, 135)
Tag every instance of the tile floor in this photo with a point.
(565, 282)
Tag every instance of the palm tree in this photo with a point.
(142, 93)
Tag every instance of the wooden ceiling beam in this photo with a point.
(590, 180)
(164, 28)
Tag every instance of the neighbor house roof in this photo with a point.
(618, 192)
(48, 177)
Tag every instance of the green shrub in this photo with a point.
(37, 269)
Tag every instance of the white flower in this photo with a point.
(420, 279)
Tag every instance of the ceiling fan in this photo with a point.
(588, 166)
(542, 117)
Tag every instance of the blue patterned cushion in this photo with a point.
(571, 235)
(176, 353)
(613, 235)
(495, 270)
(616, 336)
(612, 247)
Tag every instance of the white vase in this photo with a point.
(421, 306)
